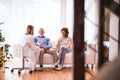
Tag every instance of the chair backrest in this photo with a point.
(17, 50)
(90, 54)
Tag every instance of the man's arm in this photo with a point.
(35, 39)
(49, 43)
(36, 42)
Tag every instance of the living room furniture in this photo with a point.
(90, 55)
(18, 52)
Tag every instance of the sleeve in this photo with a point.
(35, 39)
(69, 43)
(58, 44)
(49, 43)
(30, 41)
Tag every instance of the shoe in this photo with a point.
(59, 67)
(35, 69)
(41, 67)
(56, 66)
(30, 71)
(56, 63)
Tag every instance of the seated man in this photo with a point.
(44, 43)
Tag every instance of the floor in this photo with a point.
(49, 73)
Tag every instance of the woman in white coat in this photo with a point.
(30, 50)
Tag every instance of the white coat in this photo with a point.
(31, 51)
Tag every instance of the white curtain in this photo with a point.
(17, 14)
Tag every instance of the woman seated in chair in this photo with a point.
(31, 51)
(63, 46)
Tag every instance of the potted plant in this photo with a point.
(2, 57)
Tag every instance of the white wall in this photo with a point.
(17, 14)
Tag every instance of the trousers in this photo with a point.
(62, 51)
(49, 51)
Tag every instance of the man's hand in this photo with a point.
(39, 43)
(45, 49)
